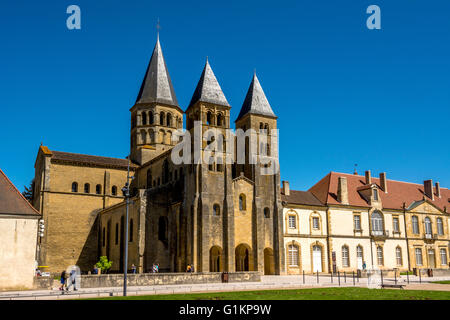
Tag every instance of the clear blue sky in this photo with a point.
(343, 94)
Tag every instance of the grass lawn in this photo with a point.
(302, 294)
(442, 282)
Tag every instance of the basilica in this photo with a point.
(216, 216)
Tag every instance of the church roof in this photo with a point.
(255, 101)
(157, 86)
(208, 89)
(86, 159)
(12, 201)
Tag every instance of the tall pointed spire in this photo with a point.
(255, 101)
(208, 89)
(157, 86)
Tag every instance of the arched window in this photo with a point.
(114, 190)
(440, 226)
(74, 187)
(242, 202)
(418, 254)
(345, 257)
(377, 223)
(380, 258)
(359, 256)
(209, 118)
(131, 230)
(266, 212)
(216, 210)
(161, 118)
(219, 120)
(428, 229)
(149, 178)
(266, 127)
(261, 126)
(415, 225)
(87, 188)
(98, 189)
(117, 234)
(398, 256)
(293, 255)
(292, 221)
(443, 254)
(169, 120)
(165, 173)
(144, 118)
(162, 229)
(150, 117)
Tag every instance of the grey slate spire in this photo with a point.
(255, 101)
(208, 89)
(157, 86)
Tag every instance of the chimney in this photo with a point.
(342, 193)
(383, 182)
(428, 188)
(286, 189)
(438, 190)
(368, 177)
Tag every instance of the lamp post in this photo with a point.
(126, 193)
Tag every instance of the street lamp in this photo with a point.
(126, 193)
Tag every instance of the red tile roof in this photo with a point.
(398, 192)
(12, 201)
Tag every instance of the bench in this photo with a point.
(400, 286)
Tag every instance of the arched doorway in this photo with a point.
(317, 258)
(243, 257)
(215, 259)
(269, 262)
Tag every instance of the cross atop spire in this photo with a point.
(157, 85)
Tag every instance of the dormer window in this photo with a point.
(375, 194)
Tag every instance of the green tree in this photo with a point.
(28, 192)
(104, 264)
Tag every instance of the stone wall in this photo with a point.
(150, 279)
(17, 251)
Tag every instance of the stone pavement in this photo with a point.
(267, 283)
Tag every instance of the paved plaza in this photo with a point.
(267, 283)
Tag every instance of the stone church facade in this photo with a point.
(216, 217)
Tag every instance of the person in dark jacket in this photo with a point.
(63, 280)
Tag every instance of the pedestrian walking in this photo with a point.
(72, 281)
(188, 269)
(364, 265)
(133, 268)
(63, 280)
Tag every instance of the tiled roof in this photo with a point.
(398, 192)
(255, 101)
(91, 160)
(301, 197)
(208, 89)
(157, 85)
(11, 200)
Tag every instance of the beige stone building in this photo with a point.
(216, 217)
(347, 220)
(69, 191)
(18, 233)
